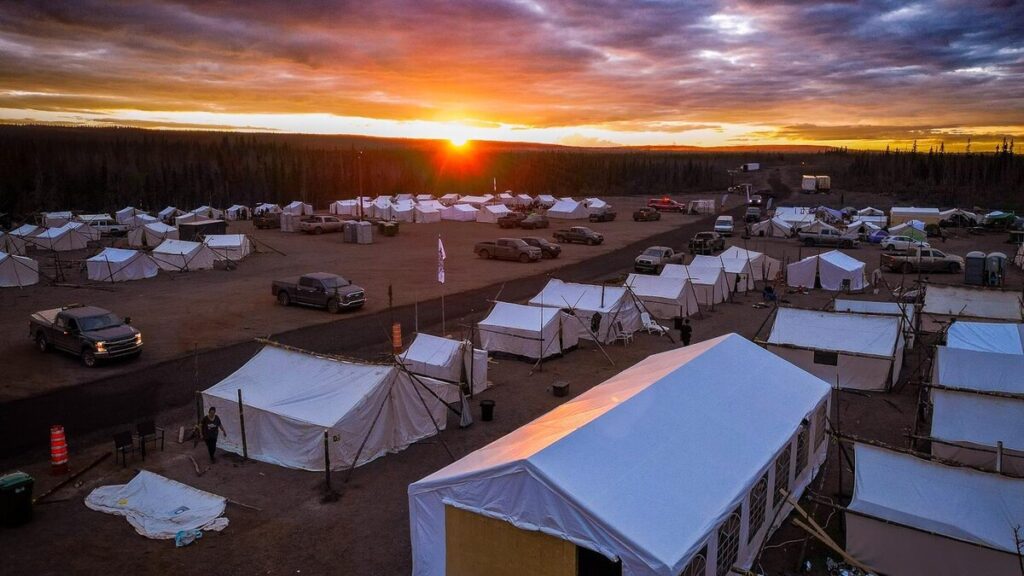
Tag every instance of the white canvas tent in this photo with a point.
(118, 265)
(188, 217)
(233, 247)
(961, 301)
(12, 244)
(852, 351)
(342, 207)
(772, 228)
(292, 398)
(528, 331)
(183, 256)
(475, 201)
(168, 214)
(158, 507)
(124, 215)
(604, 311)
(151, 234)
(56, 219)
(546, 200)
(27, 231)
(596, 205)
(265, 208)
(763, 267)
(427, 214)
(71, 236)
(298, 208)
(739, 273)
(913, 517)
(710, 284)
(969, 426)
(905, 312)
(654, 468)
(459, 213)
(17, 271)
(664, 297)
(816, 227)
(449, 199)
(382, 208)
(901, 214)
(490, 213)
(447, 360)
(506, 198)
(404, 212)
(795, 216)
(237, 212)
(424, 197)
(833, 270)
(568, 210)
(1002, 338)
(524, 200)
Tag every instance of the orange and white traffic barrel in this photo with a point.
(58, 451)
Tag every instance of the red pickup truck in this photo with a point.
(666, 204)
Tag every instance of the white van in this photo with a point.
(724, 225)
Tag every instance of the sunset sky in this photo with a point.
(862, 74)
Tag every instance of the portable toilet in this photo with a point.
(995, 268)
(974, 268)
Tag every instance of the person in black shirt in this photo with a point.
(211, 428)
(685, 331)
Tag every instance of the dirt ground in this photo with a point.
(178, 312)
(366, 531)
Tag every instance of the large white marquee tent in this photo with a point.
(833, 270)
(118, 265)
(605, 312)
(588, 475)
(528, 331)
(852, 351)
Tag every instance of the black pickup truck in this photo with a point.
(508, 249)
(580, 234)
(321, 290)
(91, 333)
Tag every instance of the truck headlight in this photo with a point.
(101, 347)
(138, 339)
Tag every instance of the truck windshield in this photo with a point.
(98, 322)
(335, 282)
(652, 252)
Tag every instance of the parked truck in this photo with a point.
(706, 243)
(321, 224)
(603, 216)
(826, 237)
(320, 290)
(580, 234)
(923, 260)
(507, 249)
(91, 333)
(653, 259)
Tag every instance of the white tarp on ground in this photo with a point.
(151, 234)
(427, 214)
(291, 398)
(298, 208)
(12, 244)
(646, 466)
(232, 247)
(978, 420)
(831, 269)
(913, 517)
(772, 228)
(986, 337)
(447, 360)
(459, 213)
(118, 265)
(568, 210)
(606, 311)
(763, 267)
(528, 331)
(710, 284)
(739, 274)
(183, 256)
(853, 351)
(972, 302)
(904, 312)
(664, 297)
(56, 219)
(17, 271)
(71, 236)
(490, 213)
(159, 507)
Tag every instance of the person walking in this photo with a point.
(211, 429)
(685, 331)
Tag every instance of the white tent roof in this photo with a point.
(975, 303)
(986, 337)
(731, 265)
(475, 199)
(12, 244)
(229, 246)
(446, 359)
(167, 212)
(298, 208)
(914, 210)
(90, 218)
(559, 294)
(645, 285)
(26, 230)
(117, 264)
(975, 418)
(291, 398)
(530, 331)
(17, 271)
(836, 332)
(697, 274)
(491, 212)
(956, 502)
(182, 255)
(976, 370)
(589, 473)
(869, 211)
(568, 209)
(519, 317)
(874, 307)
(795, 214)
(159, 507)
(843, 261)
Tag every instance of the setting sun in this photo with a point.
(458, 141)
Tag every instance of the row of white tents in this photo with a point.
(171, 255)
(486, 209)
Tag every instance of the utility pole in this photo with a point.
(359, 171)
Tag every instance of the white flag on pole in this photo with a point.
(440, 260)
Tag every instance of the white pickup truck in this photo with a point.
(653, 259)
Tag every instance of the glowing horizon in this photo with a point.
(702, 73)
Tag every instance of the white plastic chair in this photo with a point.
(650, 326)
(620, 333)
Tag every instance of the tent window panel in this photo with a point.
(728, 543)
(590, 563)
(801, 450)
(781, 476)
(698, 564)
(826, 358)
(819, 426)
(758, 503)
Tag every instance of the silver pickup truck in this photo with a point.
(322, 290)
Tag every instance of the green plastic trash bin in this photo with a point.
(15, 499)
